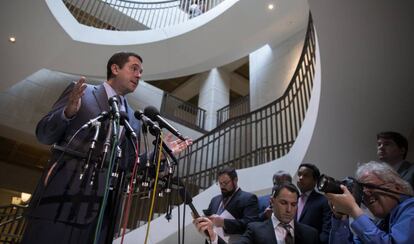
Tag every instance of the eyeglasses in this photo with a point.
(135, 68)
(224, 183)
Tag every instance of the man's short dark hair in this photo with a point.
(231, 172)
(315, 170)
(281, 176)
(119, 59)
(399, 139)
(285, 185)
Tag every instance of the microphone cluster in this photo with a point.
(153, 122)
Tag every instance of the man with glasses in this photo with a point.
(387, 196)
(66, 206)
(233, 209)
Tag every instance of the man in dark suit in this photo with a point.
(233, 209)
(280, 228)
(392, 148)
(313, 208)
(66, 206)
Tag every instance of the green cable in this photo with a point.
(104, 201)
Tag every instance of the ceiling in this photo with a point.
(42, 43)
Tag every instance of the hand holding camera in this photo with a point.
(344, 203)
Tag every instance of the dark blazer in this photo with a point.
(243, 206)
(406, 171)
(317, 213)
(264, 233)
(263, 202)
(65, 197)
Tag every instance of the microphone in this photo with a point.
(185, 196)
(113, 103)
(153, 128)
(125, 123)
(101, 117)
(152, 113)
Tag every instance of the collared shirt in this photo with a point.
(301, 203)
(280, 231)
(110, 92)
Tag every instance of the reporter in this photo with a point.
(387, 196)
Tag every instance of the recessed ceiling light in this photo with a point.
(12, 39)
(270, 6)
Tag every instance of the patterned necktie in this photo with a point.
(288, 236)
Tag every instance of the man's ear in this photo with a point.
(114, 69)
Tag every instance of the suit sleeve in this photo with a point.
(248, 237)
(326, 222)
(250, 214)
(52, 127)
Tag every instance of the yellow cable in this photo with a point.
(154, 191)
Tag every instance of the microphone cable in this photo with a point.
(155, 188)
(127, 204)
(108, 178)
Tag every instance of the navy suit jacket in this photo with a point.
(406, 171)
(317, 213)
(264, 202)
(264, 233)
(243, 207)
(65, 197)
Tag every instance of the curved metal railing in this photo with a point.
(248, 140)
(137, 15)
(258, 137)
(12, 223)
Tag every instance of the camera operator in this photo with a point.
(387, 196)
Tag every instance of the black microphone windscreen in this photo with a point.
(185, 196)
(124, 115)
(113, 99)
(138, 114)
(151, 112)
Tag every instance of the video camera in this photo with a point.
(328, 184)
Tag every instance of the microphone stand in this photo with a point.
(91, 149)
(115, 203)
(112, 132)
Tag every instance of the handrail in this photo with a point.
(235, 109)
(12, 223)
(124, 15)
(260, 136)
(183, 112)
(244, 141)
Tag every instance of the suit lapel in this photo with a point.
(270, 229)
(298, 233)
(101, 97)
(307, 204)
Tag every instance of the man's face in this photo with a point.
(378, 202)
(285, 205)
(126, 78)
(388, 151)
(306, 182)
(227, 186)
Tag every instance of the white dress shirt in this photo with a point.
(280, 231)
